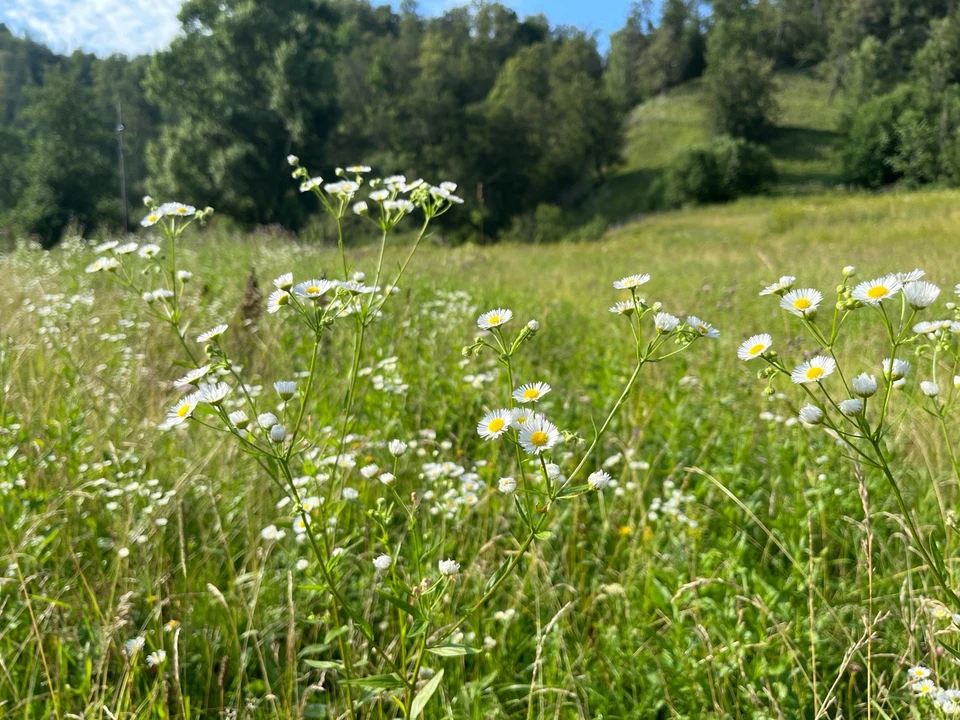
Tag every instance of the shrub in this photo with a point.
(729, 168)
(872, 140)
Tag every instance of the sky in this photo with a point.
(134, 27)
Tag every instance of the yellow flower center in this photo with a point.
(521, 419)
(313, 289)
(877, 292)
(802, 303)
(494, 319)
(531, 394)
(756, 349)
(496, 425)
(181, 210)
(183, 411)
(703, 329)
(153, 218)
(539, 438)
(814, 373)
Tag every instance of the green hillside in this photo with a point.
(805, 142)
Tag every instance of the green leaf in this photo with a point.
(952, 651)
(544, 535)
(314, 649)
(523, 513)
(324, 664)
(377, 682)
(501, 571)
(418, 628)
(423, 697)
(452, 650)
(334, 634)
(401, 604)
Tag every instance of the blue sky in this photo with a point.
(138, 26)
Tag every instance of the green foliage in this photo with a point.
(872, 140)
(725, 170)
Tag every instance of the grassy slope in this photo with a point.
(804, 144)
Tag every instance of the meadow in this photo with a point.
(723, 560)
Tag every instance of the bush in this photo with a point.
(729, 168)
(872, 141)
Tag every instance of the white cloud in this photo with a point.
(131, 27)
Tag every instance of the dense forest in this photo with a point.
(522, 114)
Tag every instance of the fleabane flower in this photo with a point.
(851, 406)
(624, 307)
(286, 389)
(192, 377)
(277, 300)
(782, 285)
(813, 370)
(665, 322)
(148, 251)
(872, 292)
(313, 289)
(912, 276)
(754, 347)
(918, 672)
(538, 435)
(448, 567)
(214, 394)
(308, 185)
(494, 424)
(811, 415)
(212, 334)
(397, 447)
(531, 392)
(802, 303)
(920, 294)
(180, 412)
(175, 209)
(494, 318)
(152, 219)
(507, 485)
(631, 281)
(703, 328)
(599, 480)
(382, 562)
(864, 385)
(898, 371)
(929, 388)
(284, 282)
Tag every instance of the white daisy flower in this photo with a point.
(811, 415)
(193, 377)
(448, 186)
(132, 647)
(802, 303)
(156, 658)
(599, 480)
(152, 219)
(920, 294)
(864, 385)
(924, 687)
(382, 562)
(929, 388)
(370, 471)
(494, 318)
(538, 435)
(176, 209)
(271, 533)
(631, 281)
(899, 371)
(361, 208)
(449, 567)
(387, 478)
(494, 424)
(105, 247)
(358, 169)
(782, 285)
(507, 485)
(277, 300)
(397, 447)
(872, 292)
(212, 334)
(703, 328)
(814, 370)
(148, 251)
(313, 289)
(126, 248)
(665, 322)
(286, 389)
(278, 433)
(531, 392)
(624, 307)
(912, 276)
(284, 282)
(754, 346)
(354, 286)
(184, 409)
(851, 407)
(239, 419)
(919, 672)
(214, 394)
(380, 195)
(267, 420)
(308, 185)
(96, 265)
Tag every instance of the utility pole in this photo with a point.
(123, 174)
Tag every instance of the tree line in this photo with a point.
(522, 114)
